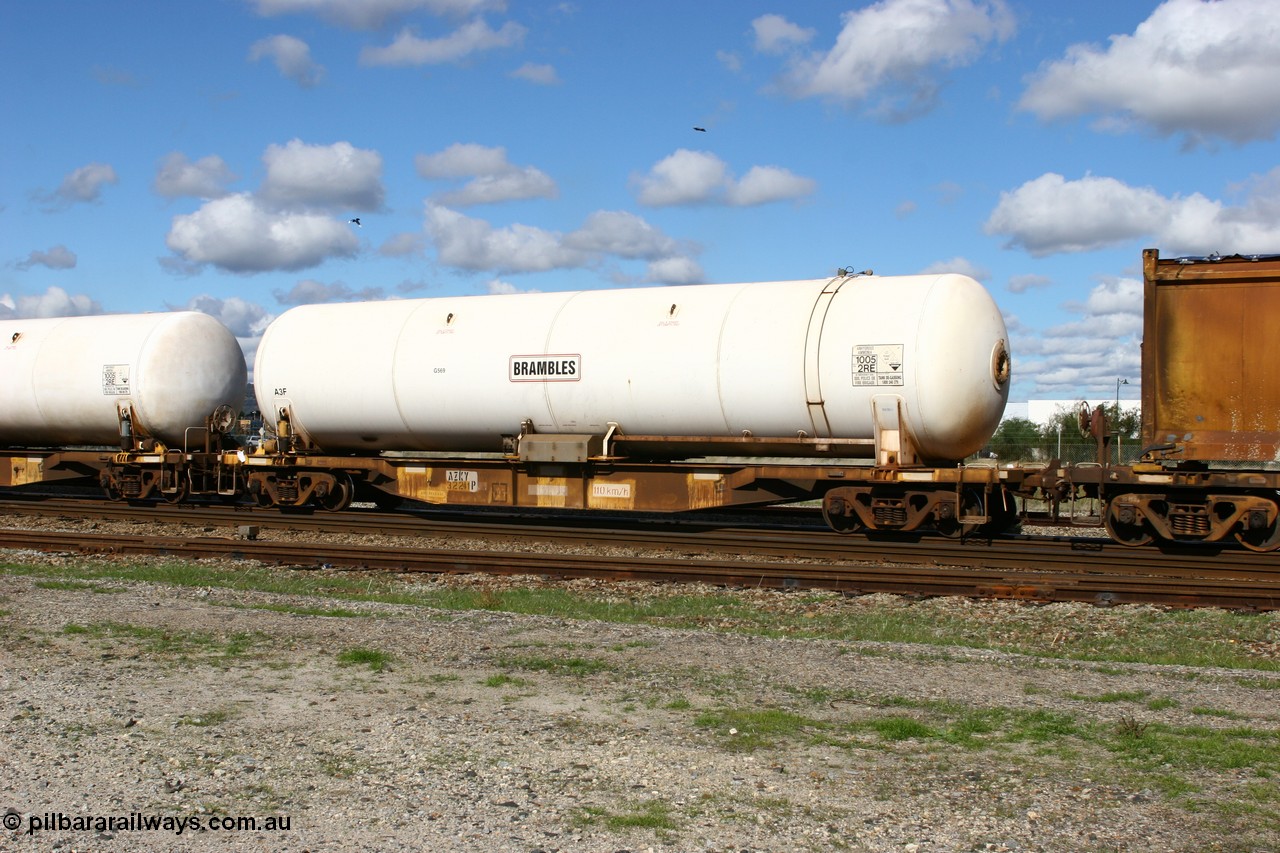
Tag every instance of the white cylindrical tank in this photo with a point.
(785, 359)
(63, 380)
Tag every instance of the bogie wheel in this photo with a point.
(1004, 513)
(1262, 539)
(1132, 535)
(339, 498)
(970, 504)
(842, 524)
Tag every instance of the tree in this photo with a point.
(1062, 436)
(1016, 438)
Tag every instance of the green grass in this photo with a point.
(1179, 762)
(744, 730)
(209, 718)
(1202, 711)
(650, 814)
(751, 729)
(173, 644)
(1207, 637)
(902, 728)
(1196, 749)
(574, 666)
(375, 659)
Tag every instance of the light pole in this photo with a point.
(1116, 429)
(1119, 382)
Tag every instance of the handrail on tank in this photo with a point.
(608, 437)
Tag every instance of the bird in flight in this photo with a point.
(700, 129)
(356, 221)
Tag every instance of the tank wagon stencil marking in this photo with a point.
(115, 379)
(462, 481)
(610, 490)
(878, 364)
(552, 367)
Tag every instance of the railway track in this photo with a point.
(1033, 568)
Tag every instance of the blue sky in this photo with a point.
(210, 155)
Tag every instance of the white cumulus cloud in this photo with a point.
(470, 38)
(80, 185)
(1205, 69)
(371, 14)
(462, 160)
(207, 177)
(699, 177)
(675, 270)
(56, 258)
(962, 266)
(238, 234)
(493, 178)
(54, 302)
(538, 73)
(288, 223)
(775, 34)
(1050, 215)
(892, 51)
(468, 243)
(337, 176)
(1028, 281)
(617, 232)
(308, 291)
(292, 57)
(765, 184)
(245, 319)
(521, 183)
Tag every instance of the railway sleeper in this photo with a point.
(1136, 518)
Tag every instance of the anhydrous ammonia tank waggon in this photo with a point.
(795, 358)
(67, 381)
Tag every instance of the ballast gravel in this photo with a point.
(373, 726)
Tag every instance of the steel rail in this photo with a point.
(850, 578)
(699, 535)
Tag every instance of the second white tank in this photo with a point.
(768, 359)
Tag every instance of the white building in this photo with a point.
(1042, 412)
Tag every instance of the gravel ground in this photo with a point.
(494, 731)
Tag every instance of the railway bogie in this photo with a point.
(291, 487)
(952, 508)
